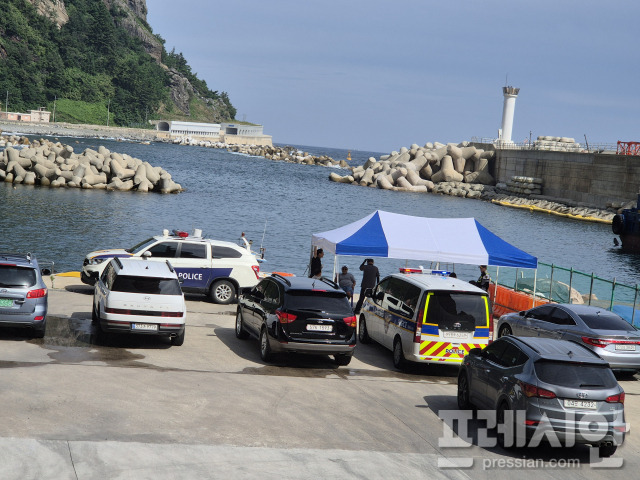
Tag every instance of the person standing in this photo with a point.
(370, 278)
(316, 264)
(483, 280)
(347, 282)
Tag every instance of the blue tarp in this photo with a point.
(450, 240)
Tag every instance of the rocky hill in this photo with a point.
(103, 58)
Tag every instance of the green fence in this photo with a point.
(566, 285)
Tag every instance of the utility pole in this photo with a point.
(108, 105)
(6, 103)
(55, 98)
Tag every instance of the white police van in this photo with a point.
(214, 268)
(426, 317)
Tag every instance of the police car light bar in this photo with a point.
(425, 270)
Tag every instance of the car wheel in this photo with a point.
(398, 355)
(222, 292)
(500, 420)
(504, 331)
(240, 331)
(363, 333)
(342, 360)
(463, 392)
(178, 340)
(39, 332)
(265, 348)
(607, 450)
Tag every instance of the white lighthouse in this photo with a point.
(510, 95)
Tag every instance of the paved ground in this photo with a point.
(138, 408)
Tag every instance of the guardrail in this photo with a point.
(566, 285)
(545, 146)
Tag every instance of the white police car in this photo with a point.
(214, 268)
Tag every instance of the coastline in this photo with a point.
(77, 130)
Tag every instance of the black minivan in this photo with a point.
(296, 314)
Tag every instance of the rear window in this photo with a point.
(606, 321)
(224, 252)
(330, 302)
(14, 276)
(575, 375)
(447, 310)
(148, 285)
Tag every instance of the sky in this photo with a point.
(378, 75)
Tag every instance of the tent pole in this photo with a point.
(535, 284)
(335, 263)
(495, 287)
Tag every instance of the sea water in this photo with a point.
(279, 206)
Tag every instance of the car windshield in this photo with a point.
(604, 320)
(141, 246)
(148, 285)
(462, 311)
(14, 276)
(575, 375)
(330, 302)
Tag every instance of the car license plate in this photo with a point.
(319, 328)
(144, 326)
(629, 348)
(455, 334)
(6, 302)
(580, 404)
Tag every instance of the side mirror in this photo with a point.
(522, 313)
(368, 292)
(45, 271)
(257, 294)
(475, 351)
(146, 254)
(380, 296)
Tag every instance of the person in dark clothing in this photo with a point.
(483, 280)
(316, 264)
(370, 278)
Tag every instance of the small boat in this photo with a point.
(627, 226)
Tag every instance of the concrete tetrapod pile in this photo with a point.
(283, 154)
(436, 167)
(46, 163)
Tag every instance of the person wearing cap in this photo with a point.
(316, 264)
(483, 280)
(370, 278)
(347, 282)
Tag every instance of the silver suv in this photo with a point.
(23, 294)
(543, 388)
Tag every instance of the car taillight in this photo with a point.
(284, 317)
(39, 293)
(256, 270)
(418, 336)
(119, 311)
(350, 321)
(171, 314)
(533, 391)
(615, 398)
(596, 342)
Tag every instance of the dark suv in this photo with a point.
(296, 314)
(23, 294)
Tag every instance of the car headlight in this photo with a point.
(96, 261)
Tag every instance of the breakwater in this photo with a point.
(463, 170)
(52, 164)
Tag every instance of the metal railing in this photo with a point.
(566, 285)
(547, 146)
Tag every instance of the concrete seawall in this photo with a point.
(593, 178)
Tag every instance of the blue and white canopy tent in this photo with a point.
(447, 240)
